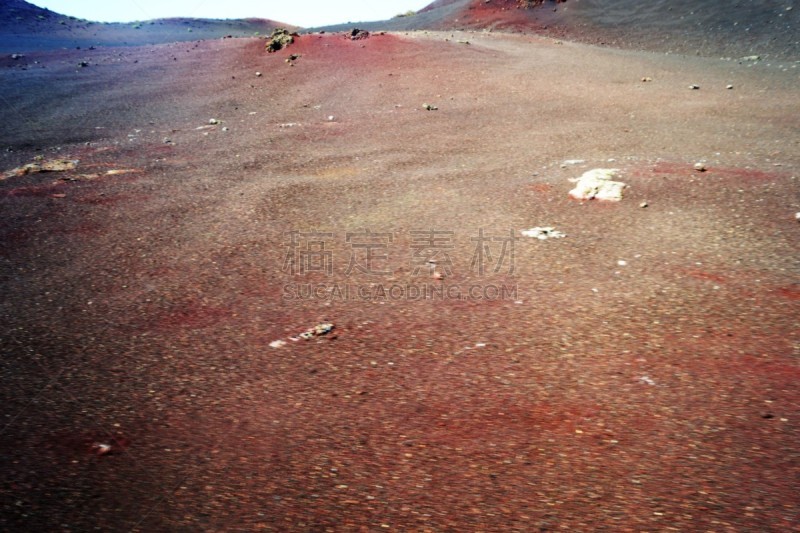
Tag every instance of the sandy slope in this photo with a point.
(697, 27)
(643, 376)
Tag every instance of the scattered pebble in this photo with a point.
(101, 449)
(258, 74)
(17, 56)
(694, 87)
(543, 233)
(729, 87)
(213, 121)
(622, 263)
(646, 380)
(647, 79)
(643, 205)
(277, 344)
(429, 107)
(700, 167)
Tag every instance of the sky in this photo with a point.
(306, 13)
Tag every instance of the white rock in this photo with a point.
(543, 233)
(277, 344)
(598, 184)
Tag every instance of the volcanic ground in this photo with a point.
(638, 374)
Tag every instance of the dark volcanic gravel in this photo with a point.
(640, 374)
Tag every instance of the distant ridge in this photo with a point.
(26, 27)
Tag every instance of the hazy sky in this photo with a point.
(297, 12)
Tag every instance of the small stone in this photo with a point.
(258, 74)
(643, 205)
(16, 56)
(277, 344)
(357, 35)
(429, 107)
(700, 167)
(647, 79)
(729, 87)
(694, 87)
(331, 118)
(797, 216)
(83, 64)
(213, 121)
(101, 449)
(226, 128)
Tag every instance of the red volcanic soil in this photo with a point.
(639, 374)
(695, 27)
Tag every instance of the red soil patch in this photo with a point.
(33, 191)
(379, 46)
(541, 188)
(705, 276)
(729, 173)
(98, 199)
(87, 443)
(190, 315)
(508, 15)
(791, 292)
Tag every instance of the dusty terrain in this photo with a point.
(641, 376)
